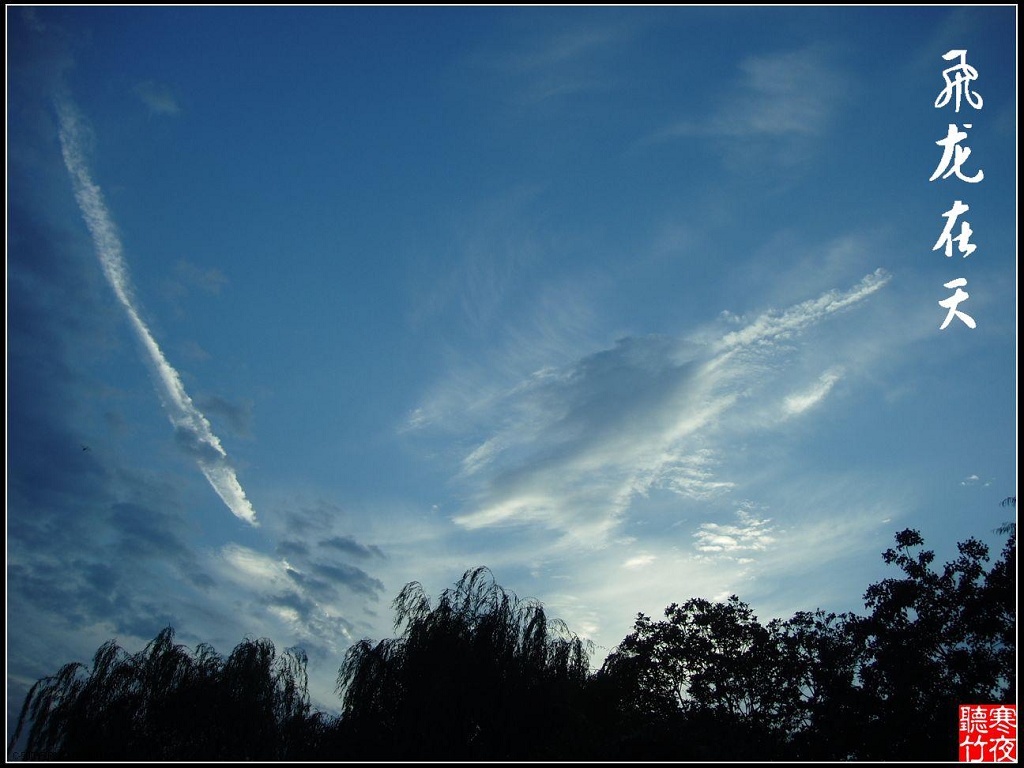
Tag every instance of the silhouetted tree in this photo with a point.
(999, 616)
(481, 675)
(708, 682)
(165, 703)
(825, 658)
(1010, 526)
(934, 639)
(711, 682)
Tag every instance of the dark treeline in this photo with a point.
(167, 703)
(483, 675)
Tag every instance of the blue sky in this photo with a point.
(628, 305)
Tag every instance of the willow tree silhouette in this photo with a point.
(481, 675)
(1010, 526)
(165, 703)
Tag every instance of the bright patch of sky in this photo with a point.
(628, 305)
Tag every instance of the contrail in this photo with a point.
(191, 427)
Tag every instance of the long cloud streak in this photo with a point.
(191, 426)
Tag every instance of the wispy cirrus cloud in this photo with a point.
(562, 60)
(562, 65)
(775, 326)
(188, 276)
(563, 46)
(787, 97)
(317, 584)
(298, 598)
(158, 98)
(192, 429)
(570, 449)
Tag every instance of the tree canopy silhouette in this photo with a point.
(711, 682)
(167, 703)
(935, 639)
(481, 674)
(484, 675)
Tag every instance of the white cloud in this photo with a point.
(255, 569)
(271, 584)
(749, 535)
(480, 456)
(191, 426)
(639, 561)
(783, 93)
(693, 476)
(572, 448)
(800, 402)
(776, 326)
